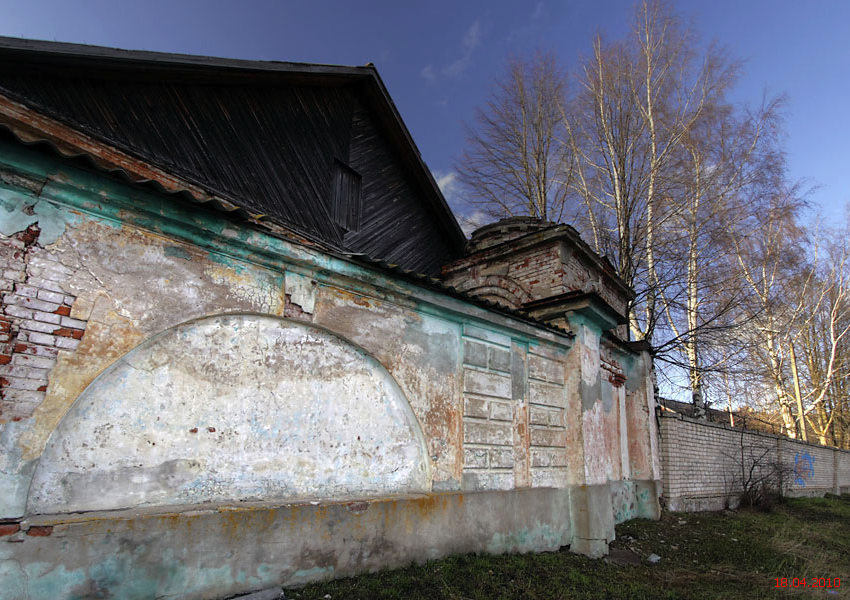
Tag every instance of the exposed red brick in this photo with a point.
(616, 379)
(193, 430)
(30, 236)
(20, 347)
(3, 382)
(211, 429)
(43, 388)
(357, 507)
(5, 359)
(40, 530)
(9, 528)
(77, 334)
(65, 311)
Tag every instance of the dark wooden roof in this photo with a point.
(265, 136)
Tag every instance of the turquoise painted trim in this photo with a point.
(117, 204)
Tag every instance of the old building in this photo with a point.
(228, 358)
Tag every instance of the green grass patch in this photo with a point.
(703, 556)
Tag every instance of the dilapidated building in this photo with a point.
(244, 342)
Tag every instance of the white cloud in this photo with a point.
(469, 42)
(538, 12)
(450, 186)
(472, 37)
(530, 30)
(471, 222)
(446, 181)
(428, 73)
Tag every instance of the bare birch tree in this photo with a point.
(823, 335)
(724, 152)
(769, 247)
(686, 194)
(637, 100)
(516, 162)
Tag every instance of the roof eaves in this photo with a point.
(41, 50)
(382, 103)
(70, 153)
(422, 173)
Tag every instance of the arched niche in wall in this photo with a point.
(233, 408)
(497, 288)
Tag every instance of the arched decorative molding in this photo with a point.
(497, 288)
(233, 408)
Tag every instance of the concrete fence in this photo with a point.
(704, 464)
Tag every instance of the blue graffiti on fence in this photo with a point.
(804, 467)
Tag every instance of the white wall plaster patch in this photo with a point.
(301, 291)
(232, 408)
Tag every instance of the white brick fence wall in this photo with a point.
(701, 463)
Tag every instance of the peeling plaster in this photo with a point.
(236, 413)
(20, 211)
(422, 352)
(302, 291)
(232, 408)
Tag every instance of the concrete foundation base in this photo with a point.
(593, 519)
(213, 552)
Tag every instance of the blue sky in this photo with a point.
(439, 58)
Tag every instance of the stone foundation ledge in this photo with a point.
(209, 551)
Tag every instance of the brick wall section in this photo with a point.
(814, 466)
(547, 410)
(539, 271)
(514, 431)
(551, 269)
(701, 462)
(580, 276)
(517, 261)
(488, 411)
(35, 322)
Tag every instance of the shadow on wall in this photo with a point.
(233, 408)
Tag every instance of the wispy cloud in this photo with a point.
(538, 12)
(427, 73)
(469, 42)
(536, 21)
(472, 221)
(449, 184)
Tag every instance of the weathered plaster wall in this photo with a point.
(420, 350)
(232, 408)
(702, 463)
(209, 362)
